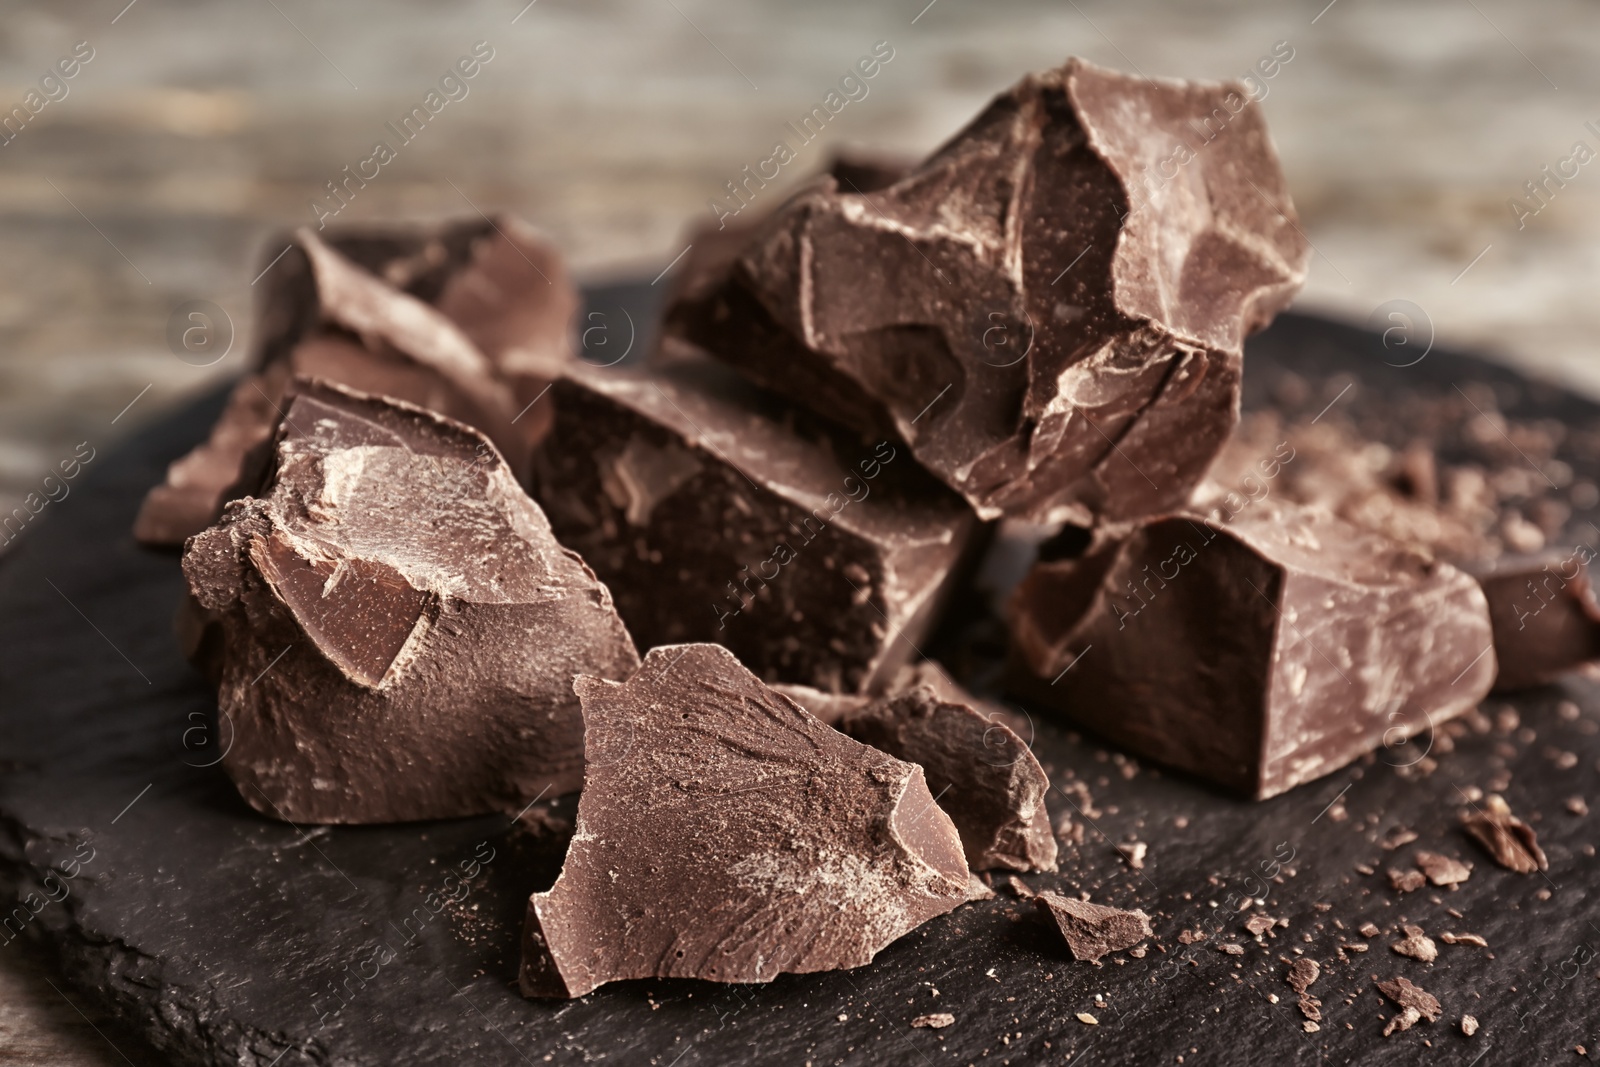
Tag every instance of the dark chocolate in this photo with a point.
(1512, 843)
(820, 562)
(1092, 930)
(1049, 310)
(726, 834)
(357, 308)
(1546, 621)
(1259, 654)
(981, 773)
(398, 628)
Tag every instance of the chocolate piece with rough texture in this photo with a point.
(358, 308)
(819, 560)
(1443, 870)
(726, 834)
(981, 773)
(1260, 654)
(1092, 930)
(1049, 318)
(399, 629)
(1512, 843)
(1546, 620)
(1414, 1002)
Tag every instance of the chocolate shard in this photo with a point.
(1303, 973)
(1443, 870)
(1092, 930)
(1259, 654)
(1050, 320)
(398, 627)
(1416, 944)
(981, 773)
(1512, 843)
(357, 308)
(726, 834)
(1415, 1003)
(713, 516)
(1546, 620)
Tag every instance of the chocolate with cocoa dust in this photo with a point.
(395, 627)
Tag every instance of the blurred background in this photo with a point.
(157, 173)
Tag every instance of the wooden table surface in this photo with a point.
(196, 130)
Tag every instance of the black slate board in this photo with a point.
(221, 935)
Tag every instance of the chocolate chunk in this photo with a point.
(1443, 870)
(1546, 621)
(1259, 654)
(1231, 948)
(937, 1021)
(1406, 881)
(1302, 974)
(1092, 930)
(1469, 1025)
(1417, 945)
(817, 560)
(356, 309)
(1050, 321)
(1259, 924)
(399, 629)
(726, 834)
(980, 772)
(1415, 1003)
(1511, 842)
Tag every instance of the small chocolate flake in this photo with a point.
(1134, 852)
(1310, 1007)
(1406, 881)
(1417, 945)
(1412, 998)
(1404, 1021)
(1511, 842)
(1363, 868)
(1577, 805)
(1259, 924)
(1463, 939)
(1189, 937)
(1088, 1020)
(937, 1021)
(1353, 946)
(1310, 1027)
(1397, 837)
(1232, 948)
(1443, 870)
(1469, 1025)
(1368, 930)
(1302, 973)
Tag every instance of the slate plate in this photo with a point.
(230, 939)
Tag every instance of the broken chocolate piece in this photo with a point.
(1414, 1002)
(354, 308)
(1443, 870)
(726, 834)
(1231, 948)
(398, 627)
(1546, 620)
(1417, 945)
(937, 1021)
(1469, 1025)
(1050, 322)
(818, 561)
(1511, 842)
(981, 773)
(1302, 974)
(1259, 654)
(1092, 930)
(1406, 881)
(1259, 924)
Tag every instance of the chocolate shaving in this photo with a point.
(1417, 945)
(1416, 1004)
(1302, 974)
(1092, 930)
(1463, 939)
(1509, 841)
(1406, 881)
(1443, 870)
(726, 834)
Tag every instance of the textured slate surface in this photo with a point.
(230, 939)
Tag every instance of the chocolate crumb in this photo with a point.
(1469, 1025)
(1397, 837)
(1134, 852)
(1232, 948)
(1092, 930)
(937, 1021)
(1416, 1002)
(1189, 937)
(1368, 930)
(1463, 939)
(1259, 924)
(1353, 946)
(1363, 868)
(1442, 870)
(1417, 945)
(1088, 1020)
(1577, 805)
(1406, 881)
(1302, 973)
(1511, 842)
(1310, 1027)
